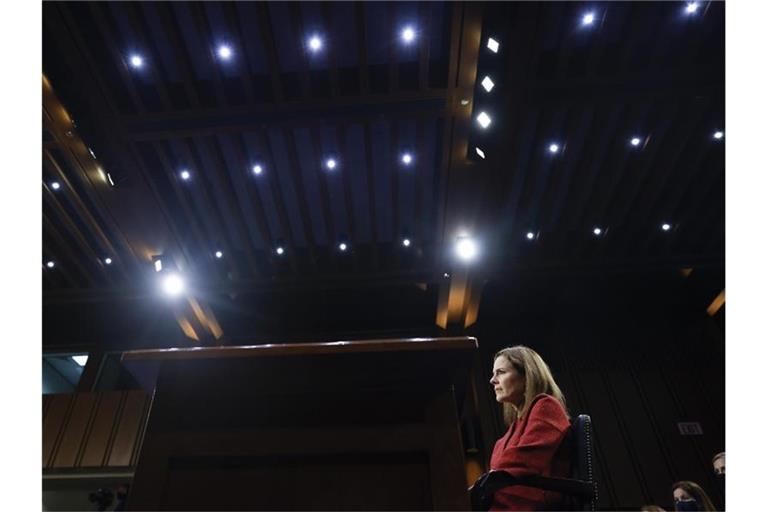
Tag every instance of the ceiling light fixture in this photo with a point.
(185, 175)
(493, 45)
(55, 185)
(484, 120)
(257, 169)
(330, 164)
(173, 285)
(280, 250)
(466, 248)
(718, 135)
(219, 254)
(158, 265)
(487, 84)
(597, 231)
(50, 264)
(692, 7)
(480, 153)
(109, 179)
(408, 35)
(406, 158)
(588, 18)
(225, 52)
(635, 141)
(406, 242)
(530, 235)
(315, 43)
(136, 61)
(554, 148)
(342, 246)
(666, 227)
(108, 261)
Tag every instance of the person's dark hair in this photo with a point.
(538, 380)
(651, 508)
(696, 493)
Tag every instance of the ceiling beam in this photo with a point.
(268, 41)
(181, 57)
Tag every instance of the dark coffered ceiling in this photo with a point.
(117, 138)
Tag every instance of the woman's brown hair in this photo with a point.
(696, 493)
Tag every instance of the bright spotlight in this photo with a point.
(225, 52)
(466, 249)
(185, 175)
(50, 264)
(330, 163)
(280, 250)
(588, 19)
(718, 135)
(493, 45)
(406, 242)
(487, 84)
(408, 35)
(530, 235)
(480, 153)
(55, 185)
(406, 158)
(136, 61)
(342, 246)
(597, 231)
(315, 43)
(483, 119)
(554, 148)
(108, 261)
(257, 169)
(219, 255)
(173, 285)
(666, 227)
(635, 141)
(692, 7)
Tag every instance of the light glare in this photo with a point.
(343, 246)
(692, 7)
(315, 43)
(225, 52)
(480, 153)
(406, 242)
(173, 285)
(666, 227)
(330, 163)
(257, 169)
(280, 250)
(108, 261)
(55, 185)
(588, 19)
(597, 231)
(466, 249)
(530, 235)
(185, 175)
(718, 135)
(487, 84)
(80, 360)
(219, 254)
(407, 158)
(483, 119)
(158, 265)
(554, 148)
(50, 264)
(635, 141)
(137, 61)
(493, 45)
(408, 34)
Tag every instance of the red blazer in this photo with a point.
(534, 445)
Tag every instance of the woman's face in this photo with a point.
(507, 382)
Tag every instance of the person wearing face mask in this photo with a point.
(536, 442)
(690, 496)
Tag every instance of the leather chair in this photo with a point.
(579, 491)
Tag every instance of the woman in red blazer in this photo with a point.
(536, 441)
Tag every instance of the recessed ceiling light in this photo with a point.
(466, 248)
(279, 250)
(406, 158)
(406, 242)
(446, 274)
(588, 18)
(554, 148)
(173, 284)
(225, 52)
(718, 135)
(136, 61)
(635, 141)
(530, 235)
(342, 246)
(92, 153)
(108, 261)
(219, 254)
(110, 180)
(597, 231)
(480, 153)
(483, 119)
(330, 163)
(184, 175)
(487, 83)
(50, 264)
(257, 169)
(464, 102)
(315, 43)
(493, 45)
(666, 227)
(80, 360)
(158, 265)
(408, 35)
(692, 7)
(55, 185)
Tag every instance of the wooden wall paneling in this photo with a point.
(127, 432)
(74, 433)
(46, 405)
(142, 430)
(53, 425)
(96, 449)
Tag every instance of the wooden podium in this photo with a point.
(354, 425)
